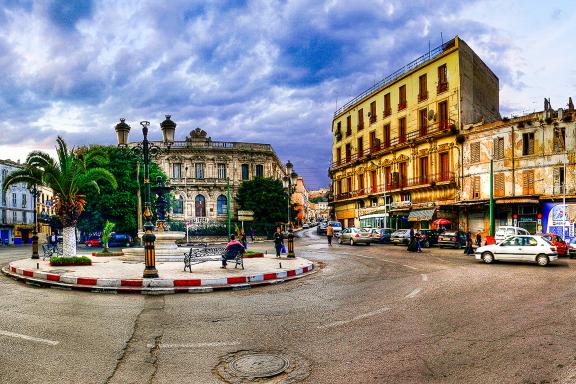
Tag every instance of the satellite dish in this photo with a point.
(431, 115)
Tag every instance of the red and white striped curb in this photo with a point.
(154, 285)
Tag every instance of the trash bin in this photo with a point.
(490, 240)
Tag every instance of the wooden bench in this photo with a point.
(202, 255)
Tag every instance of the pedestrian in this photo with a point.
(252, 234)
(278, 241)
(243, 239)
(412, 242)
(478, 239)
(53, 239)
(418, 246)
(468, 250)
(231, 250)
(330, 233)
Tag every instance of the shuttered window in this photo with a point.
(360, 119)
(499, 148)
(499, 185)
(528, 143)
(348, 125)
(475, 152)
(387, 105)
(373, 112)
(559, 139)
(476, 187)
(528, 182)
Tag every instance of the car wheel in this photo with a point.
(488, 258)
(351, 241)
(426, 244)
(542, 260)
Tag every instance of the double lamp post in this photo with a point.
(148, 149)
(289, 181)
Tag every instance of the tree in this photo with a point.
(116, 204)
(67, 176)
(318, 199)
(267, 198)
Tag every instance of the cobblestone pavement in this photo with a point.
(372, 314)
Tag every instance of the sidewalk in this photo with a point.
(113, 275)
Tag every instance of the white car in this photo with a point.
(305, 225)
(505, 232)
(519, 248)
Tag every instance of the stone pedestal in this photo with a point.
(165, 246)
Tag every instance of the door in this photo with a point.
(510, 249)
(444, 166)
(530, 248)
(200, 205)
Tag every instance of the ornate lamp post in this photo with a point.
(35, 194)
(289, 182)
(148, 149)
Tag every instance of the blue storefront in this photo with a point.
(559, 219)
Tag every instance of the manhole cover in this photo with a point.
(274, 367)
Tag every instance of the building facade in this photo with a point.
(396, 153)
(16, 208)
(533, 173)
(200, 169)
(302, 203)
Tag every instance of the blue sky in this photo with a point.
(260, 71)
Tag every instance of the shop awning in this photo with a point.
(421, 214)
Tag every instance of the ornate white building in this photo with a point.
(16, 208)
(199, 169)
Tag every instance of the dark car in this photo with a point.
(119, 240)
(385, 235)
(428, 237)
(452, 239)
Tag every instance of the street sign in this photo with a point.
(245, 213)
(245, 218)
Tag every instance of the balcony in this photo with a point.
(387, 112)
(423, 96)
(431, 179)
(190, 181)
(348, 132)
(402, 106)
(360, 126)
(442, 87)
(372, 118)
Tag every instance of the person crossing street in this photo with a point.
(330, 234)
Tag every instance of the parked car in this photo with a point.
(355, 236)
(453, 239)
(119, 240)
(305, 226)
(506, 231)
(93, 241)
(428, 237)
(374, 234)
(561, 246)
(337, 227)
(519, 248)
(385, 234)
(321, 230)
(401, 236)
(572, 248)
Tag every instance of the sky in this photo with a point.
(262, 71)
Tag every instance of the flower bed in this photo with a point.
(57, 261)
(252, 254)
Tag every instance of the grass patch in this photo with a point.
(70, 260)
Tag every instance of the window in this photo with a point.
(373, 112)
(374, 144)
(528, 182)
(442, 78)
(499, 185)
(348, 153)
(443, 114)
(338, 186)
(476, 187)
(24, 200)
(349, 184)
(528, 143)
(374, 181)
(14, 217)
(423, 170)
(259, 170)
(388, 176)
(403, 173)
(444, 166)
(245, 172)
(338, 132)
(24, 217)
(475, 152)
(360, 119)
(361, 183)
(558, 175)
(401, 130)
(386, 136)
(499, 148)
(200, 206)
(4, 199)
(387, 105)
(178, 206)
(402, 98)
(405, 197)
(177, 170)
(360, 147)
(338, 155)
(13, 199)
(222, 205)
(221, 171)
(422, 87)
(559, 139)
(348, 125)
(423, 122)
(199, 170)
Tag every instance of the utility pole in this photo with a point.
(491, 197)
(228, 207)
(139, 203)
(564, 201)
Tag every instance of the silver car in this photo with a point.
(355, 236)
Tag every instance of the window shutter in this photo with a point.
(475, 152)
(531, 144)
(531, 182)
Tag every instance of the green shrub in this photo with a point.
(72, 260)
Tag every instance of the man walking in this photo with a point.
(278, 241)
(330, 233)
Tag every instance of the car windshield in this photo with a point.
(336, 224)
(546, 239)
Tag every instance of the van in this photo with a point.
(504, 232)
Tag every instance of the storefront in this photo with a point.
(422, 214)
(559, 219)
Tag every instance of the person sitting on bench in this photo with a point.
(232, 249)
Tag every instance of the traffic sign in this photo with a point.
(245, 213)
(245, 218)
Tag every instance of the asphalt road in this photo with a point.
(372, 314)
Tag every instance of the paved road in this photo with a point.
(373, 314)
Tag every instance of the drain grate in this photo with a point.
(274, 367)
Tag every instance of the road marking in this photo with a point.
(359, 317)
(407, 266)
(413, 293)
(424, 277)
(366, 257)
(198, 345)
(29, 338)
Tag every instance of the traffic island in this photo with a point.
(113, 275)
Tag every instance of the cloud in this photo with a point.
(254, 70)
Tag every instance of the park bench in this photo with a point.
(202, 255)
(51, 249)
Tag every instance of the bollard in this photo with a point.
(37, 265)
(280, 265)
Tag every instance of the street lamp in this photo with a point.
(35, 194)
(289, 181)
(148, 149)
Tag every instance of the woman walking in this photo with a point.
(278, 241)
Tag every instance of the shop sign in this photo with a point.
(429, 204)
(401, 204)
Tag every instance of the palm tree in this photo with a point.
(68, 176)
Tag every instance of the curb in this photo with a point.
(153, 286)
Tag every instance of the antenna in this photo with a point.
(442, 38)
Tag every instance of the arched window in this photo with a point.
(222, 205)
(178, 207)
(200, 204)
